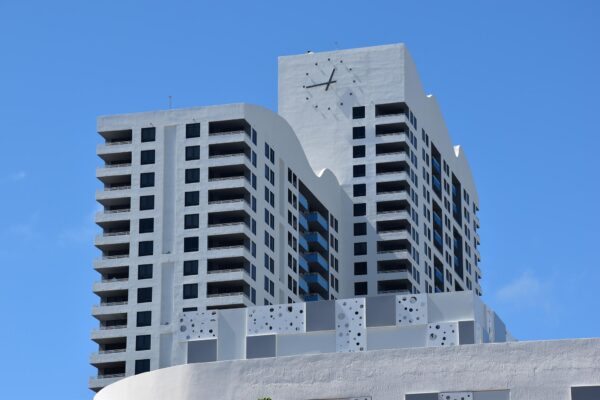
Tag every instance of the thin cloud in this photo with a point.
(17, 176)
(529, 291)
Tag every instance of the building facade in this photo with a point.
(354, 189)
(204, 209)
(363, 114)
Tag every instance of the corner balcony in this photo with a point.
(317, 262)
(227, 294)
(397, 286)
(316, 284)
(303, 222)
(302, 201)
(228, 153)
(316, 242)
(303, 243)
(302, 263)
(228, 176)
(316, 220)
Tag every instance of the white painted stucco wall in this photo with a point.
(543, 370)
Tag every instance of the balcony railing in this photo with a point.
(111, 351)
(118, 142)
(113, 188)
(111, 327)
(112, 303)
(117, 165)
(120, 210)
(115, 256)
(316, 279)
(228, 294)
(227, 133)
(108, 376)
(109, 234)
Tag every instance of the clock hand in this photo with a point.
(330, 81)
(318, 84)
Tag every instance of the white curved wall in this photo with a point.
(530, 370)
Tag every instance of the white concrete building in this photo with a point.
(363, 114)
(245, 254)
(205, 208)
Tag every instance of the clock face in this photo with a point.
(328, 83)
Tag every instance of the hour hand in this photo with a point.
(316, 84)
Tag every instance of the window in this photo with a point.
(191, 221)
(360, 249)
(192, 153)
(144, 295)
(360, 190)
(145, 271)
(190, 291)
(360, 288)
(358, 132)
(358, 112)
(190, 267)
(192, 175)
(190, 244)
(360, 228)
(358, 151)
(146, 203)
(192, 198)
(358, 171)
(147, 157)
(146, 225)
(360, 268)
(145, 248)
(142, 342)
(192, 130)
(142, 366)
(144, 318)
(148, 134)
(147, 179)
(360, 209)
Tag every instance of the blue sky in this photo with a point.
(516, 80)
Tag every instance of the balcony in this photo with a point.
(401, 186)
(227, 264)
(435, 165)
(392, 206)
(313, 297)
(303, 243)
(227, 150)
(391, 167)
(303, 286)
(393, 266)
(393, 226)
(302, 201)
(384, 149)
(114, 141)
(316, 283)
(391, 109)
(316, 219)
(317, 260)
(316, 241)
(303, 222)
(398, 286)
(228, 127)
(392, 246)
(228, 242)
(390, 129)
(302, 263)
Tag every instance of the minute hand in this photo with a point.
(319, 84)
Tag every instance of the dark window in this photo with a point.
(148, 134)
(358, 151)
(142, 366)
(147, 157)
(358, 171)
(146, 203)
(360, 228)
(145, 271)
(360, 249)
(190, 291)
(144, 318)
(192, 130)
(142, 342)
(191, 221)
(147, 179)
(190, 244)
(360, 209)
(360, 268)
(358, 132)
(192, 153)
(360, 288)
(360, 190)
(358, 112)
(190, 309)
(190, 267)
(146, 225)
(145, 248)
(144, 295)
(192, 175)
(192, 198)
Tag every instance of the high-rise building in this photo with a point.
(354, 189)
(206, 208)
(363, 114)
